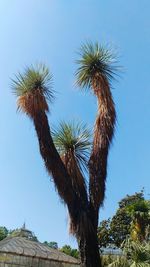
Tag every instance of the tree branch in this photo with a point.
(103, 134)
(55, 166)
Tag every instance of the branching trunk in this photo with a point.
(33, 90)
(75, 197)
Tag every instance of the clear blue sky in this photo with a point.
(50, 31)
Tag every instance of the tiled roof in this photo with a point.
(25, 247)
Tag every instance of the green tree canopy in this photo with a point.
(120, 226)
(133, 212)
(70, 251)
(104, 236)
(3, 232)
(51, 244)
(122, 222)
(130, 199)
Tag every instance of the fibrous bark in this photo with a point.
(103, 134)
(82, 220)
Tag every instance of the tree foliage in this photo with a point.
(120, 226)
(132, 219)
(137, 253)
(131, 199)
(140, 215)
(23, 233)
(73, 138)
(33, 89)
(95, 59)
(70, 251)
(104, 237)
(51, 244)
(3, 232)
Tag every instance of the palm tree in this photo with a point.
(135, 254)
(140, 214)
(138, 254)
(67, 159)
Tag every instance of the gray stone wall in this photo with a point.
(10, 260)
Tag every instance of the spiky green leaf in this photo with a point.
(34, 77)
(75, 137)
(95, 59)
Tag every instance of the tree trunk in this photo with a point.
(88, 240)
(89, 250)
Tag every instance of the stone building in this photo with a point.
(20, 250)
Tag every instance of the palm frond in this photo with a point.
(95, 59)
(33, 78)
(33, 88)
(138, 253)
(73, 137)
(120, 262)
(141, 264)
